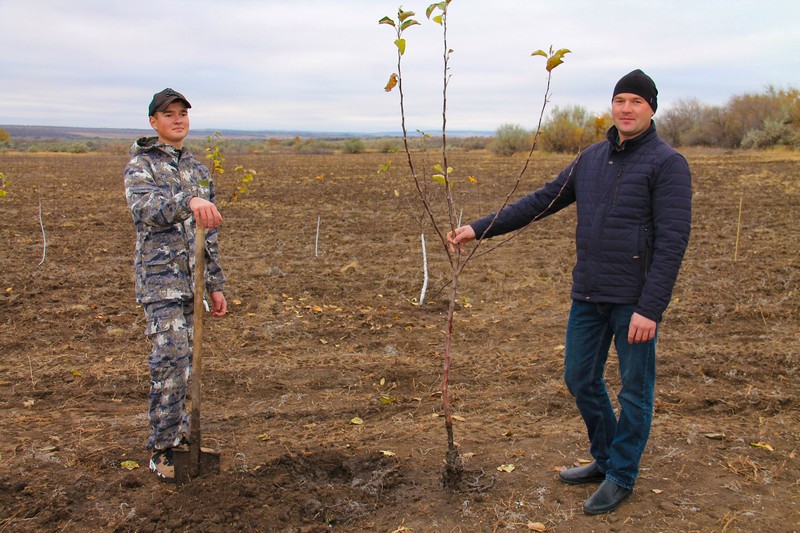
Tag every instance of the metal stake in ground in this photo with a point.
(197, 461)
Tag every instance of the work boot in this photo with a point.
(606, 498)
(582, 474)
(162, 465)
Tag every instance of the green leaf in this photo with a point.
(204, 183)
(384, 20)
(438, 168)
(438, 178)
(403, 15)
(401, 45)
(430, 10)
(438, 19)
(539, 53)
(407, 24)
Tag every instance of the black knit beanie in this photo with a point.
(637, 82)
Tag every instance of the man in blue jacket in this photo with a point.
(633, 195)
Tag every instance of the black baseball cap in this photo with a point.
(162, 99)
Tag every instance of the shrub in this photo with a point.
(509, 139)
(354, 145)
(572, 129)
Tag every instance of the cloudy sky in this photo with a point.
(321, 65)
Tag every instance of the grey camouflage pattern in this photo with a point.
(170, 330)
(159, 183)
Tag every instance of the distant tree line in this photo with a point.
(770, 119)
(756, 121)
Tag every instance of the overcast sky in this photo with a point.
(321, 65)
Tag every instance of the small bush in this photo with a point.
(509, 139)
(353, 145)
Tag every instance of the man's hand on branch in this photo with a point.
(459, 237)
(205, 212)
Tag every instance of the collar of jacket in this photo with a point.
(613, 137)
(144, 144)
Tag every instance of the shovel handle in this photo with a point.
(197, 347)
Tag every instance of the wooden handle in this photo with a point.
(197, 347)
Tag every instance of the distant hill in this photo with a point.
(64, 132)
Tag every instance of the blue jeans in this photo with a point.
(616, 444)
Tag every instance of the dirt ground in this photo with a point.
(323, 331)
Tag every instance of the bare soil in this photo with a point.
(322, 332)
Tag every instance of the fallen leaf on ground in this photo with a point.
(506, 468)
(129, 465)
(536, 526)
(762, 444)
(356, 421)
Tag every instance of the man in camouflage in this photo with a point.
(168, 191)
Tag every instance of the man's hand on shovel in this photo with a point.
(205, 212)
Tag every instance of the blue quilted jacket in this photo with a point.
(634, 206)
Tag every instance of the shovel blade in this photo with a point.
(185, 470)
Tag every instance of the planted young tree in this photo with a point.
(244, 176)
(437, 12)
(3, 184)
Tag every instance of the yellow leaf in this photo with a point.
(391, 83)
(387, 453)
(75, 373)
(383, 382)
(762, 444)
(129, 465)
(237, 302)
(264, 437)
(356, 421)
(471, 179)
(387, 400)
(506, 468)
(459, 418)
(536, 526)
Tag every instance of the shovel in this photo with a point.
(196, 461)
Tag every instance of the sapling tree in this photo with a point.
(3, 184)
(443, 174)
(244, 176)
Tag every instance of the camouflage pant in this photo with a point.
(170, 329)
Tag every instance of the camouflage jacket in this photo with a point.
(159, 183)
